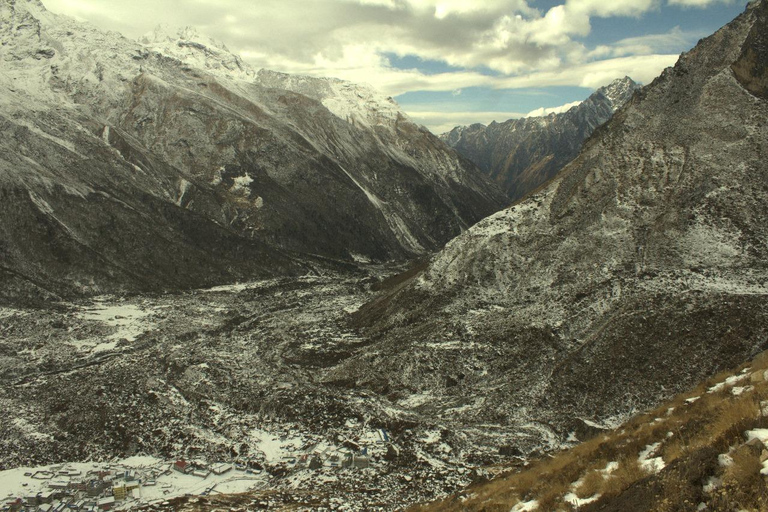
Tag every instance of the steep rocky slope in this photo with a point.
(639, 270)
(521, 154)
(117, 154)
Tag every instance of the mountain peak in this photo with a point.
(356, 103)
(198, 50)
(164, 33)
(33, 6)
(619, 91)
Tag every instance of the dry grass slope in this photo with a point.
(690, 454)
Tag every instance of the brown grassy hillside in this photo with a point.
(700, 451)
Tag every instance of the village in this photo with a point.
(143, 481)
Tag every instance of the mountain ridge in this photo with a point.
(521, 154)
(587, 299)
(270, 170)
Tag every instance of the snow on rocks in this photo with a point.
(651, 464)
(578, 502)
(712, 484)
(738, 390)
(525, 506)
(758, 433)
(729, 382)
(724, 460)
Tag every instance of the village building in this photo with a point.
(119, 492)
(182, 466)
(106, 503)
(383, 436)
(361, 462)
(221, 468)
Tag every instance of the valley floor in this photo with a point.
(241, 375)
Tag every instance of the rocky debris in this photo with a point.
(240, 374)
(522, 154)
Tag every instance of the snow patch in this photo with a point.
(29, 430)
(416, 400)
(730, 381)
(242, 185)
(378, 203)
(431, 437)
(184, 187)
(128, 319)
(652, 465)
(738, 390)
(69, 146)
(525, 506)
(712, 484)
(274, 447)
(578, 502)
(758, 433)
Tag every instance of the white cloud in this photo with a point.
(643, 68)
(441, 122)
(508, 36)
(699, 3)
(539, 112)
(606, 9)
(647, 44)
(350, 39)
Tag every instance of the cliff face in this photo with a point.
(121, 153)
(636, 272)
(521, 154)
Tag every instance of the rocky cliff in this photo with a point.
(636, 272)
(168, 163)
(521, 154)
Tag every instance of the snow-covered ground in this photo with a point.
(157, 481)
(129, 320)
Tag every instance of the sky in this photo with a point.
(446, 62)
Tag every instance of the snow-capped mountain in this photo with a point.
(639, 270)
(356, 103)
(521, 154)
(197, 50)
(118, 153)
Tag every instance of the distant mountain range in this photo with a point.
(168, 163)
(521, 154)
